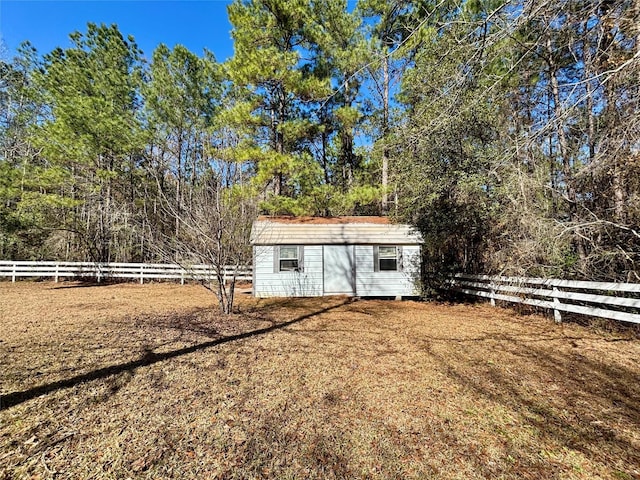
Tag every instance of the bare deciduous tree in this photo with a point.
(213, 228)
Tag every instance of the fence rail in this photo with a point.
(615, 301)
(103, 271)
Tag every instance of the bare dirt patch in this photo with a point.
(130, 381)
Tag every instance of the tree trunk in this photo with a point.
(385, 131)
(560, 131)
(279, 137)
(564, 147)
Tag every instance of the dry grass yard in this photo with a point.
(147, 381)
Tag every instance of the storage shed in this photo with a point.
(315, 256)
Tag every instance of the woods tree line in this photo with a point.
(508, 132)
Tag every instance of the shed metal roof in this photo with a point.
(331, 231)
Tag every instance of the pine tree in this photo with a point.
(31, 203)
(270, 38)
(92, 130)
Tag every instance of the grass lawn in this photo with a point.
(148, 381)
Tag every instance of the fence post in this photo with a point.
(55, 278)
(13, 276)
(181, 276)
(557, 316)
(492, 297)
(141, 274)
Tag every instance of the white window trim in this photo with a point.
(399, 258)
(276, 259)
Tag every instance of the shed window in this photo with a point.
(387, 258)
(289, 259)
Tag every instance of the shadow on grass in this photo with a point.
(84, 284)
(194, 322)
(585, 406)
(549, 383)
(149, 358)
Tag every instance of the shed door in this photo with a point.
(339, 269)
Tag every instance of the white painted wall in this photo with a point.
(370, 283)
(309, 283)
(268, 283)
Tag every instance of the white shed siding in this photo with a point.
(321, 270)
(384, 284)
(268, 283)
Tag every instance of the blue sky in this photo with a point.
(196, 24)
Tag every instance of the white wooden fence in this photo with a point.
(616, 301)
(100, 271)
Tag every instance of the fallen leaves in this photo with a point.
(365, 389)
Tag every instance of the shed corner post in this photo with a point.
(253, 270)
(557, 316)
